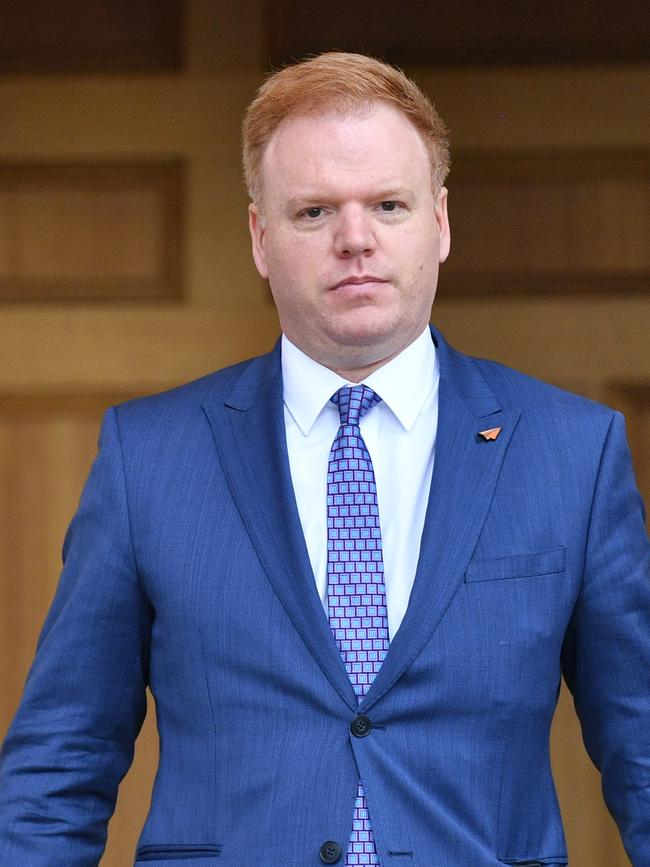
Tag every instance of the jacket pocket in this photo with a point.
(545, 862)
(517, 566)
(171, 851)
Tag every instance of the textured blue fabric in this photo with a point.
(186, 570)
(356, 593)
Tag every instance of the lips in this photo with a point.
(358, 281)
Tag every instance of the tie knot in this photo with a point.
(354, 402)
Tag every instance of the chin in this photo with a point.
(362, 350)
(365, 330)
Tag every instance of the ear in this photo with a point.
(442, 218)
(258, 233)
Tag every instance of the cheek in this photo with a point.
(303, 262)
(292, 275)
(282, 262)
(288, 251)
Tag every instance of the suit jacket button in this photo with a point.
(330, 852)
(360, 726)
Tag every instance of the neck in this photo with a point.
(346, 365)
(359, 373)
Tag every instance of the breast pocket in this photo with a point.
(517, 566)
(171, 853)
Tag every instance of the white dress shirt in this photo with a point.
(400, 434)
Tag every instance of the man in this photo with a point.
(351, 571)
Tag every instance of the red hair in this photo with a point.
(339, 82)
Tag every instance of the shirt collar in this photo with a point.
(404, 383)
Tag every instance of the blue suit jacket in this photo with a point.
(186, 569)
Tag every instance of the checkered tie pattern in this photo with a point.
(356, 593)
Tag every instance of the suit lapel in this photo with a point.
(249, 434)
(465, 471)
(248, 429)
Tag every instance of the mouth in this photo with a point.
(351, 283)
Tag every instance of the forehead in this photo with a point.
(374, 144)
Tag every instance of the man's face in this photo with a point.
(352, 236)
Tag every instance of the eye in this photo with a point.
(389, 206)
(312, 213)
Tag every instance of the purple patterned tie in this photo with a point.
(355, 570)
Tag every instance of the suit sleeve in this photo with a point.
(607, 650)
(72, 739)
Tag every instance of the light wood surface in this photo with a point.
(563, 222)
(90, 230)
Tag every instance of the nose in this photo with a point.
(354, 233)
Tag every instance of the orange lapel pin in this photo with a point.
(490, 434)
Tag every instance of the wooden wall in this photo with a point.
(125, 268)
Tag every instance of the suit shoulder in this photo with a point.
(184, 402)
(513, 386)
